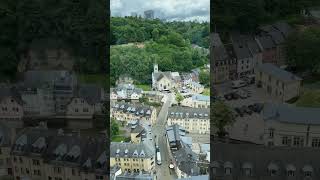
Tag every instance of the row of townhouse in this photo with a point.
(133, 157)
(245, 52)
(196, 101)
(126, 92)
(242, 160)
(280, 125)
(40, 153)
(50, 94)
(186, 161)
(173, 80)
(193, 120)
(126, 112)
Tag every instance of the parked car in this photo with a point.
(247, 110)
(238, 84)
(240, 111)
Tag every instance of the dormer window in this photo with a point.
(228, 168)
(273, 169)
(290, 170)
(247, 169)
(307, 171)
(215, 166)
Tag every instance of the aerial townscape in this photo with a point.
(265, 108)
(52, 102)
(160, 100)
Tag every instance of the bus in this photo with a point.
(158, 158)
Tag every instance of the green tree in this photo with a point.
(179, 98)
(303, 50)
(221, 117)
(114, 128)
(204, 78)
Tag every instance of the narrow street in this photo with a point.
(159, 130)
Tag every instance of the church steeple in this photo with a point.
(155, 68)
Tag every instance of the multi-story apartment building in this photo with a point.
(196, 101)
(196, 87)
(278, 33)
(127, 112)
(126, 92)
(242, 161)
(194, 120)
(133, 157)
(6, 135)
(39, 153)
(278, 83)
(268, 47)
(291, 126)
(11, 107)
(221, 60)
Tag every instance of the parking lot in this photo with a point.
(254, 95)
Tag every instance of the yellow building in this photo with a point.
(39, 153)
(132, 157)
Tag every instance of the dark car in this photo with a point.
(240, 111)
(247, 110)
(258, 107)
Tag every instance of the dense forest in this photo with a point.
(167, 43)
(81, 24)
(246, 15)
(137, 29)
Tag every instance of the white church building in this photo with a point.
(165, 80)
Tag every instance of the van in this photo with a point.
(238, 84)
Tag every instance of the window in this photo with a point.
(73, 172)
(227, 171)
(298, 141)
(286, 140)
(76, 110)
(290, 173)
(271, 132)
(315, 142)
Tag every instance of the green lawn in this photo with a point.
(206, 92)
(118, 139)
(99, 79)
(144, 87)
(309, 98)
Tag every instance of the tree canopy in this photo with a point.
(171, 49)
(303, 50)
(246, 15)
(81, 24)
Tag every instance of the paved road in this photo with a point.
(159, 130)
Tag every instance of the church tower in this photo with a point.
(155, 68)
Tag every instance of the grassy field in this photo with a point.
(144, 87)
(206, 92)
(118, 139)
(99, 79)
(309, 98)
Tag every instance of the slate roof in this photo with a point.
(187, 160)
(131, 150)
(200, 177)
(291, 114)
(261, 158)
(200, 97)
(85, 153)
(284, 28)
(137, 129)
(39, 78)
(136, 176)
(184, 112)
(278, 73)
(160, 75)
(91, 93)
(12, 92)
(175, 132)
(266, 42)
(139, 110)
